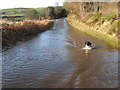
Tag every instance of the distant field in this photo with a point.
(19, 14)
(13, 12)
(18, 11)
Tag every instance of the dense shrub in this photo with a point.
(56, 12)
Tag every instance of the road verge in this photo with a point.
(83, 27)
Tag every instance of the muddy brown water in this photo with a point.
(55, 58)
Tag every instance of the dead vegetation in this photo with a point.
(100, 16)
(107, 25)
(101, 28)
(13, 32)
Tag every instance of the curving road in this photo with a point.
(54, 58)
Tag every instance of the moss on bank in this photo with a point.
(83, 27)
(52, 24)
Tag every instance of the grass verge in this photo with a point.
(82, 27)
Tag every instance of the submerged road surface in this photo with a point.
(54, 58)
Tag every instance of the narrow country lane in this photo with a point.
(54, 58)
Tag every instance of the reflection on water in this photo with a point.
(55, 59)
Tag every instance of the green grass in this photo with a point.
(18, 11)
(111, 16)
(39, 10)
(14, 15)
(20, 18)
(21, 12)
(14, 12)
(96, 17)
(52, 25)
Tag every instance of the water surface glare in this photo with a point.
(54, 58)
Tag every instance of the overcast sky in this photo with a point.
(4, 4)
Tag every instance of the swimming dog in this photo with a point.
(88, 45)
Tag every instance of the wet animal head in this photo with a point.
(88, 43)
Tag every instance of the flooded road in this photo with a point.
(55, 58)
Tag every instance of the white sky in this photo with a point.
(4, 4)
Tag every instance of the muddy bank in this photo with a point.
(13, 32)
(94, 30)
